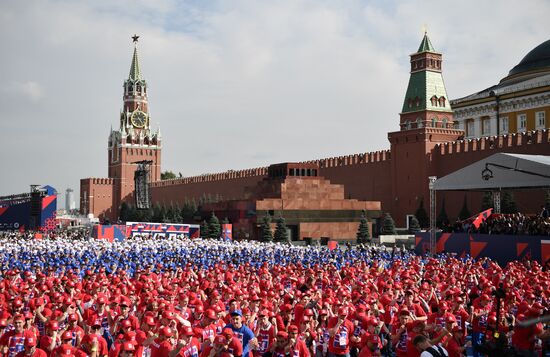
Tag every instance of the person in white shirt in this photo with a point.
(423, 344)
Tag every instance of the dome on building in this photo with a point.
(537, 59)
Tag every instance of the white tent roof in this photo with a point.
(508, 171)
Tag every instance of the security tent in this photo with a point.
(499, 171)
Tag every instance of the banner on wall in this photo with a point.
(120, 232)
(502, 248)
(227, 231)
(162, 230)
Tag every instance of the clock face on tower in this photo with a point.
(139, 119)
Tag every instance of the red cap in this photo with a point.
(220, 340)
(293, 328)
(227, 332)
(343, 311)
(67, 335)
(282, 334)
(126, 323)
(150, 320)
(128, 346)
(30, 341)
(187, 331)
(166, 331)
(53, 325)
(209, 313)
(73, 317)
(19, 317)
(450, 319)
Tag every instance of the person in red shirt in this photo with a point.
(278, 348)
(13, 342)
(339, 329)
(93, 343)
(265, 333)
(235, 347)
(455, 345)
(31, 350)
(480, 313)
(145, 336)
(76, 331)
(128, 349)
(218, 349)
(296, 346)
(66, 344)
(162, 346)
(50, 340)
(188, 346)
(399, 333)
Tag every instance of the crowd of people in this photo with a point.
(69, 295)
(509, 224)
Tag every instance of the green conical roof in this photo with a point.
(135, 73)
(426, 45)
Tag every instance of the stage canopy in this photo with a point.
(499, 171)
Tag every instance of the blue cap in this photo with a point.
(237, 313)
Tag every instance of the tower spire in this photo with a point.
(426, 44)
(135, 73)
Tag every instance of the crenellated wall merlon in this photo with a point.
(500, 142)
(353, 159)
(99, 181)
(227, 175)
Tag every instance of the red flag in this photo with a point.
(482, 217)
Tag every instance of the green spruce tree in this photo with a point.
(388, 225)
(363, 234)
(281, 233)
(214, 227)
(267, 233)
(204, 230)
(124, 212)
(508, 205)
(464, 211)
(486, 200)
(422, 215)
(414, 226)
(442, 218)
(157, 213)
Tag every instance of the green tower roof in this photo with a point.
(426, 45)
(135, 73)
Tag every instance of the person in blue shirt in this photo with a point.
(243, 333)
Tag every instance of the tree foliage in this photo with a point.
(281, 232)
(363, 233)
(442, 218)
(414, 225)
(214, 227)
(388, 225)
(486, 200)
(508, 204)
(464, 211)
(167, 175)
(422, 215)
(204, 230)
(266, 232)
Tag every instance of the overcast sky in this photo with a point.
(233, 84)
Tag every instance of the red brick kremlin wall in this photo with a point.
(368, 176)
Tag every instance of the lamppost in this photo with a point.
(433, 227)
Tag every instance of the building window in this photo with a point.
(434, 101)
(419, 123)
(486, 124)
(444, 123)
(434, 122)
(540, 120)
(522, 122)
(441, 101)
(504, 125)
(470, 131)
(407, 125)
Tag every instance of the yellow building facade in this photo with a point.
(519, 103)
